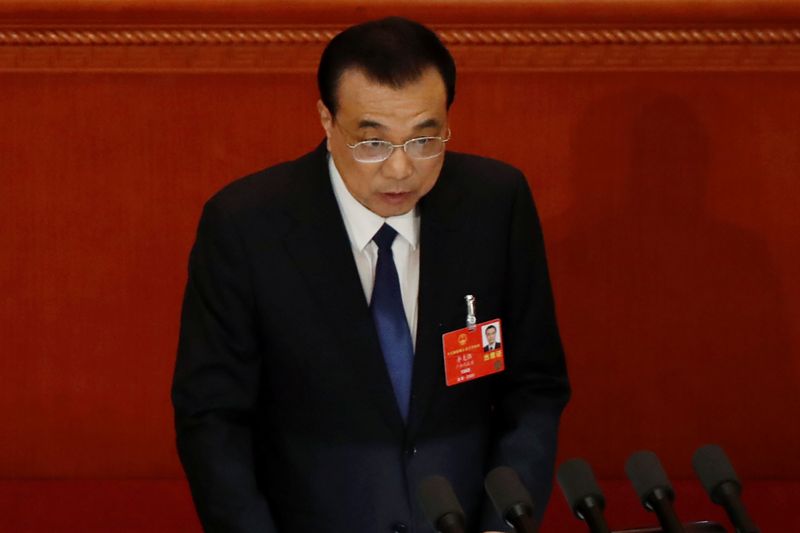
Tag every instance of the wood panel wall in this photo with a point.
(660, 138)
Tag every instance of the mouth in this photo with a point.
(396, 197)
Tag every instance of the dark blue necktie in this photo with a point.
(390, 319)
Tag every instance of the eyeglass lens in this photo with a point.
(421, 148)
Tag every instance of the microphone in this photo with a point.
(722, 485)
(511, 499)
(440, 505)
(654, 489)
(584, 497)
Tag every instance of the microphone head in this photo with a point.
(507, 492)
(646, 474)
(577, 482)
(438, 499)
(713, 468)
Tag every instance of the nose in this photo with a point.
(399, 166)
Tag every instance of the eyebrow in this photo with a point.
(366, 124)
(430, 123)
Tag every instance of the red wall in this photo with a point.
(666, 176)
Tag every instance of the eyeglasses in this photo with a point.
(376, 151)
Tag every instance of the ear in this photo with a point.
(325, 118)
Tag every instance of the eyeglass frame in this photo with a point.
(444, 141)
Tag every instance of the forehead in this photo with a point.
(363, 99)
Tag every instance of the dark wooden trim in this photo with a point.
(484, 48)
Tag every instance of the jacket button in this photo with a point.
(399, 527)
(412, 451)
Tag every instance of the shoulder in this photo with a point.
(477, 170)
(272, 200)
(269, 188)
(483, 181)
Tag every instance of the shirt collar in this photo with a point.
(361, 223)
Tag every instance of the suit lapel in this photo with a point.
(445, 241)
(321, 250)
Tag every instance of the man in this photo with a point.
(492, 343)
(310, 389)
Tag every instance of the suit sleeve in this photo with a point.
(534, 390)
(216, 379)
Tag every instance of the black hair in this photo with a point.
(491, 327)
(393, 51)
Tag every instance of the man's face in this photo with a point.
(491, 333)
(368, 110)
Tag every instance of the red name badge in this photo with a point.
(472, 354)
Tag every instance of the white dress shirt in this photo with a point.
(362, 224)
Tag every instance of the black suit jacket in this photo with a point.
(285, 414)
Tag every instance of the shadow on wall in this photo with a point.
(673, 321)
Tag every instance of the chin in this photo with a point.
(391, 209)
(394, 211)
